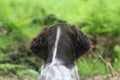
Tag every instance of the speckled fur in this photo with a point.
(59, 72)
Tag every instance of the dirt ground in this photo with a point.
(105, 77)
(15, 78)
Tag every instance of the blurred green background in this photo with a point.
(21, 20)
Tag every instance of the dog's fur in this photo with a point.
(59, 45)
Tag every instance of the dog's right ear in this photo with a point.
(81, 42)
(39, 45)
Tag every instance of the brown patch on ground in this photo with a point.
(96, 77)
(16, 78)
(104, 77)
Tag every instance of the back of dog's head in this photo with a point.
(73, 42)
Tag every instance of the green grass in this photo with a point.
(94, 66)
(117, 58)
(90, 67)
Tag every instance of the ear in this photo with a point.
(81, 42)
(39, 45)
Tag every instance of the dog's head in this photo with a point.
(80, 42)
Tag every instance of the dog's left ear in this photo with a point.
(81, 42)
(39, 45)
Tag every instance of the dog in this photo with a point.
(59, 46)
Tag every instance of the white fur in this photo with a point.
(54, 60)
(59, 72)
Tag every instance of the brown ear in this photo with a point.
(81, 42)
(39, 45)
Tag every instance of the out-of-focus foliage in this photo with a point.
(21, 20)
(102, 16)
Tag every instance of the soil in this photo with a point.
(97, 77)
